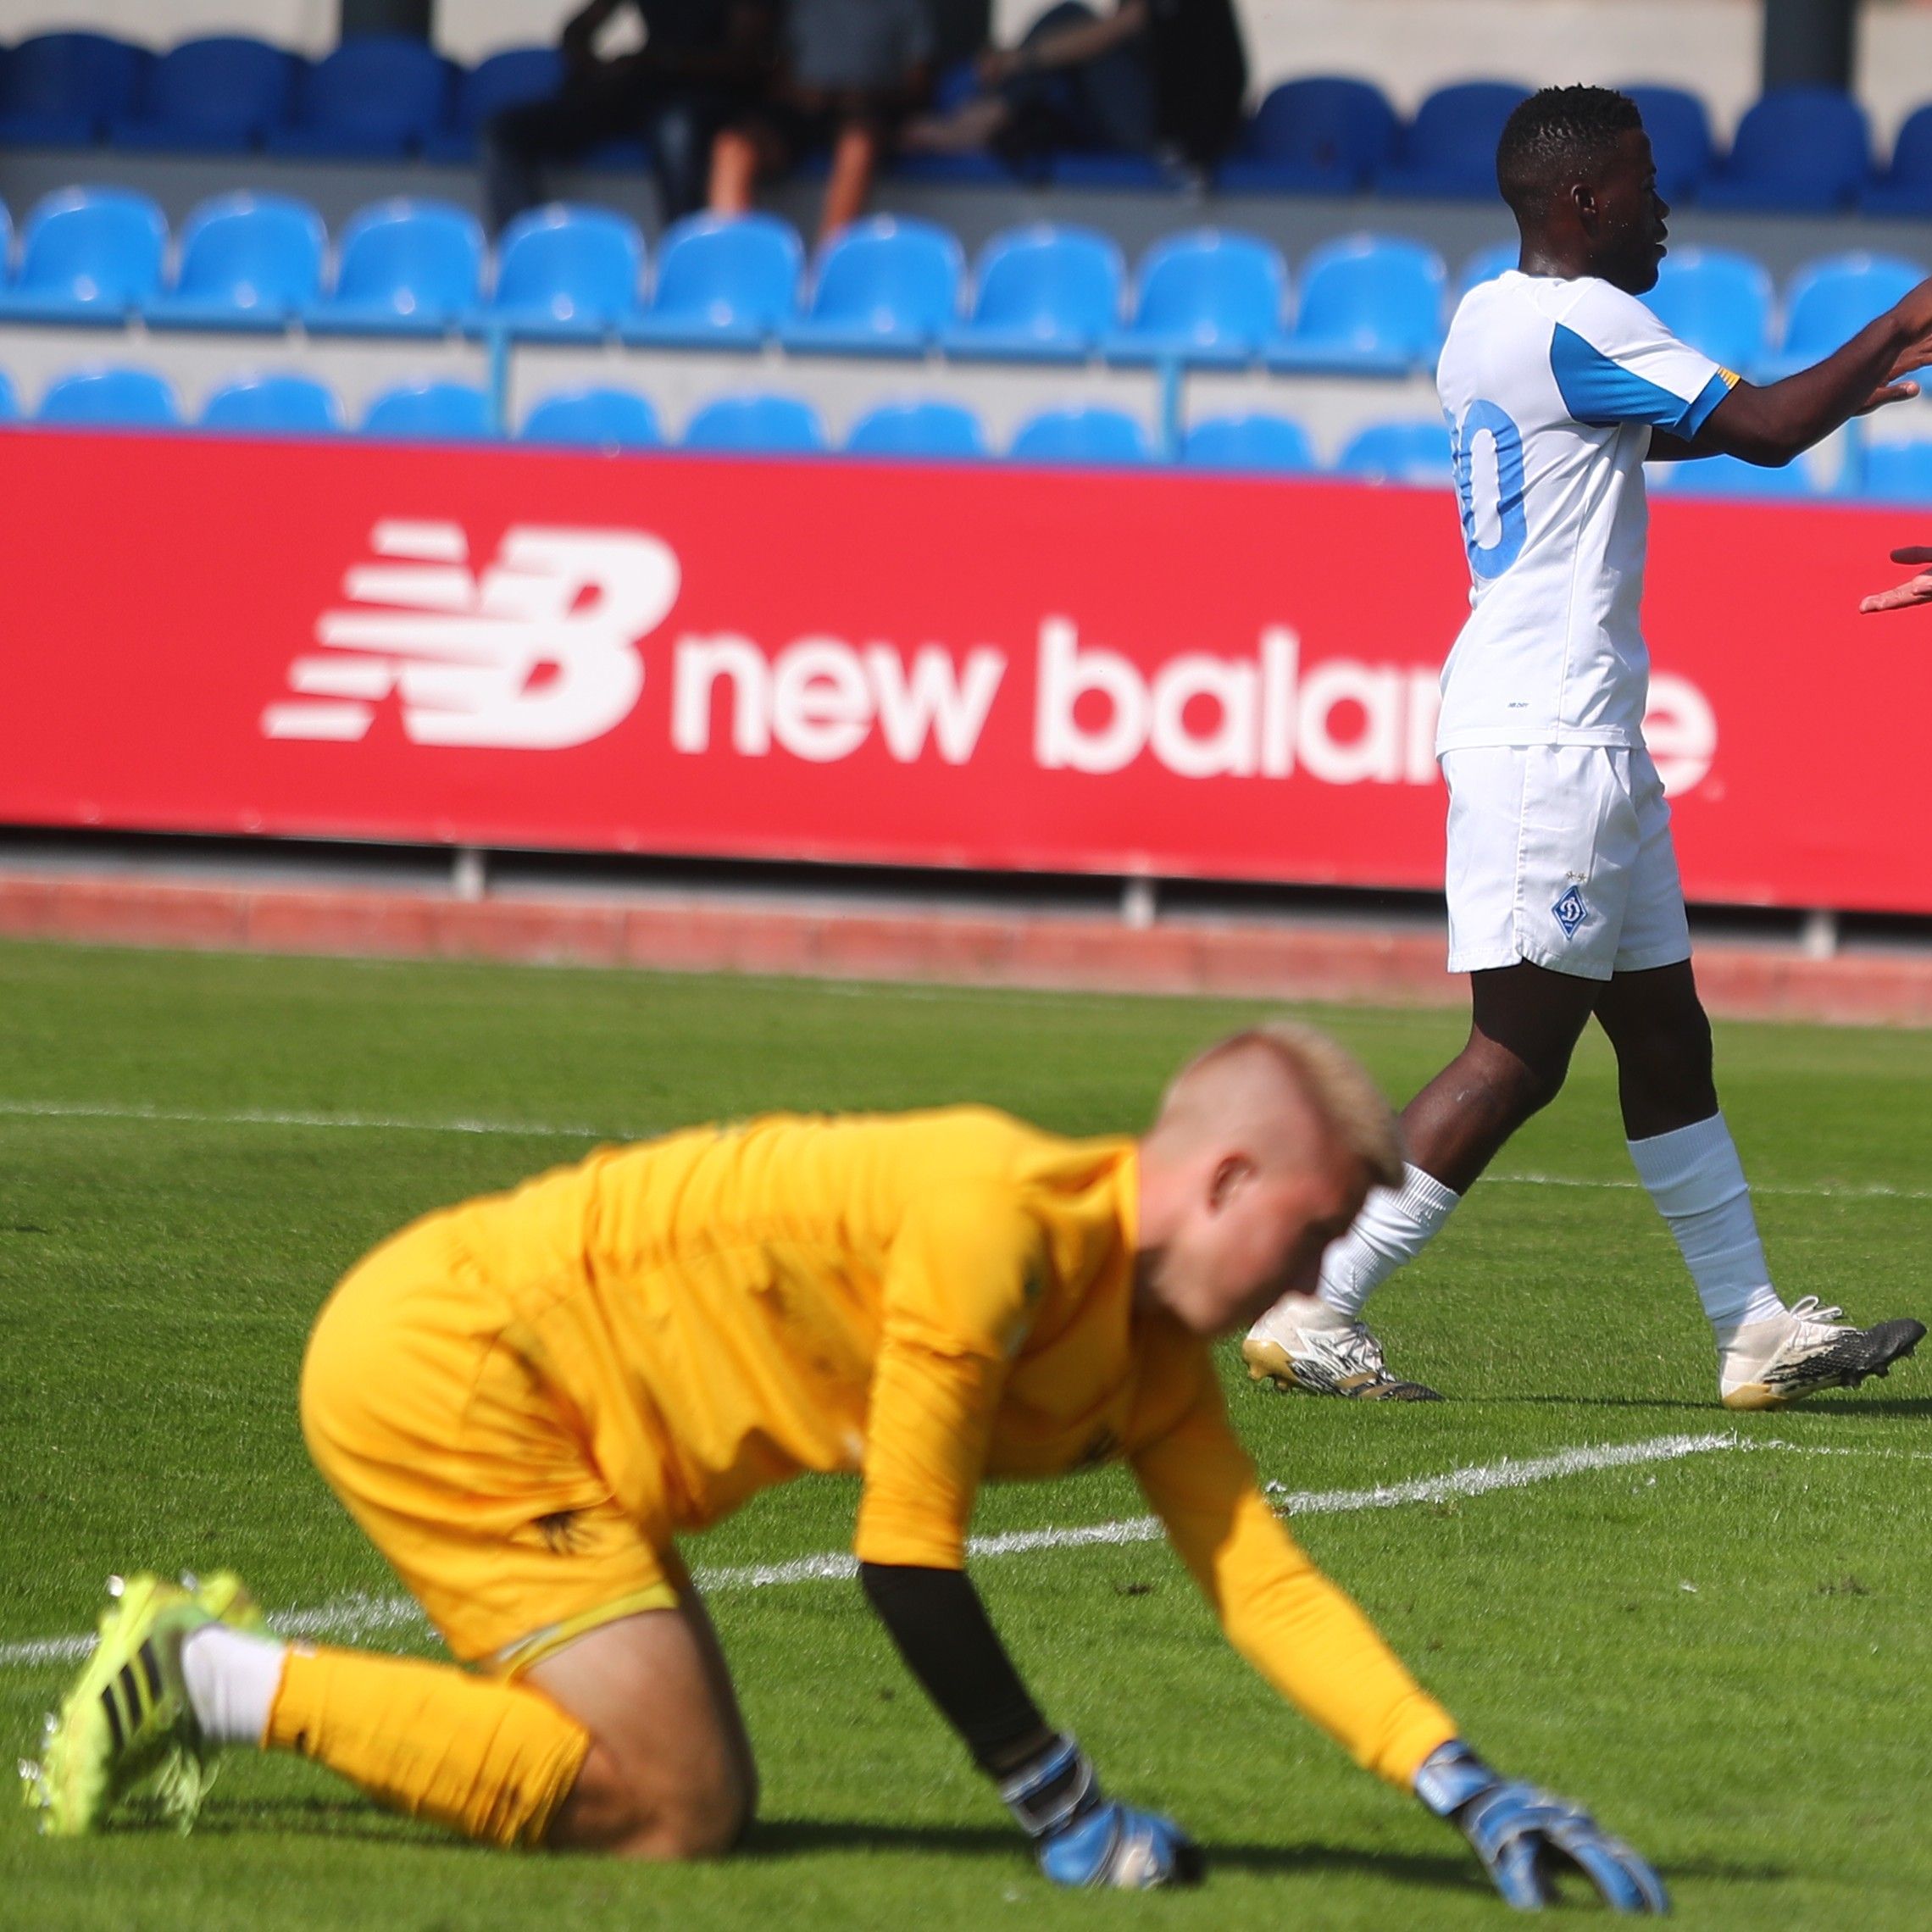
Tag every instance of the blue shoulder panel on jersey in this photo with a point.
(1599, 391)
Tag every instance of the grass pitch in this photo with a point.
(1726, 1655)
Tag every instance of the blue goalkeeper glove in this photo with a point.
(1082, 1839)
(1524, 1836)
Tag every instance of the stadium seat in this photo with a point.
(779, 426)
(1097, 169)
(405, 268)
(1400, 453)
(594, 419)
(1718, 301)
(1324, 134)
(721, 283)
(1209, 296)
(505, 80)
(431, 412)
(89, 255)
(926, 428)
(62, 90)
(6, 245)
(1258, 441)
(1088, 434)
(217, 94)
(1370, 306)
(247, 262)
(279, 402)
(1450, 148)
(1486, 264)
(566, 274)
(377, 95)
(129, 398)
(1827, 303)
(1796, 148)
(885, 286)
(1726, 476)
(9, 400)
(1897, 473)
(1906, 187)
(1042, 294)
(1679, 131)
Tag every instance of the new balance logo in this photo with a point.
(536, 652)
(1570, 911)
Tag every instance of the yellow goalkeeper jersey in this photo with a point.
(929, 1300)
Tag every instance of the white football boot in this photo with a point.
(1770, 1363)
(1303, 1344)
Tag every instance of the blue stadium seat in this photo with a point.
(1718, 302)
(6, 245)
(89, 255)
(121, 398)
(1796, 148)
(779, 426)
(594, 419)
(247, 262)
(1449, 148)
(885, 286)
(721, 283)
(505, 80)
(277, 402)
(1897, 473)
(1042, 294)
(431, 412)
(1726, 476)
(1093, 169)
(405, 268)
(377, 94)
(1400, 453)
(62, 90)
(1248, 442)
(1088, 435)
(1324, 134)
(566, 274)
(1370, 306)
(1679, 131)
(9, 401)
(928, 427)
(1906, 187)
(217, 95)
(1828, 302)
(1210, 296)
(1486, 264)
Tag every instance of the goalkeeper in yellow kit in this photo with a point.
(525, 1402)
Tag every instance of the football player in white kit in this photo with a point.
(1564, 900)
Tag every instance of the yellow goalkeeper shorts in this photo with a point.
(465, 1469)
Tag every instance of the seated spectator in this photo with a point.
(700, 61)
(1162, 78)
(852, 69)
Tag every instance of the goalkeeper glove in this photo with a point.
(1524, 1836)
(1082, 1839)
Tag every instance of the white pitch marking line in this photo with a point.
(362, 1615)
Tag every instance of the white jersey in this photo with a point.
(1551, 388)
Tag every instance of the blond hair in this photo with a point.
(1340, 1089)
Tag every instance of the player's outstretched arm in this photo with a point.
(1771, 424)
(1080, 1836)
(1914, 592)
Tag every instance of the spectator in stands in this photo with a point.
(1162, 78)
(851, 71)
(700, 61)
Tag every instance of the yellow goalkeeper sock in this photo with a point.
(493, 1760)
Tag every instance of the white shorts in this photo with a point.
(1561, 855)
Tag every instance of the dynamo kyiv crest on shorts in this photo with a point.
(1570, 911)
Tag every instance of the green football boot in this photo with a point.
(126, 1727)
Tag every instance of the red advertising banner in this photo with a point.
(996, 667)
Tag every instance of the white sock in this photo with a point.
(1394, 1225)
(232, 1680)
(1696, 1179)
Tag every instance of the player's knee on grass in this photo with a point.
(634, 1811)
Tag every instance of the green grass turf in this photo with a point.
(1728, 1656)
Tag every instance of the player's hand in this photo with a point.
(1525, 1837)
(1917, 591)
(1892, 391)
(1914, 312)
(1081, 1838)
